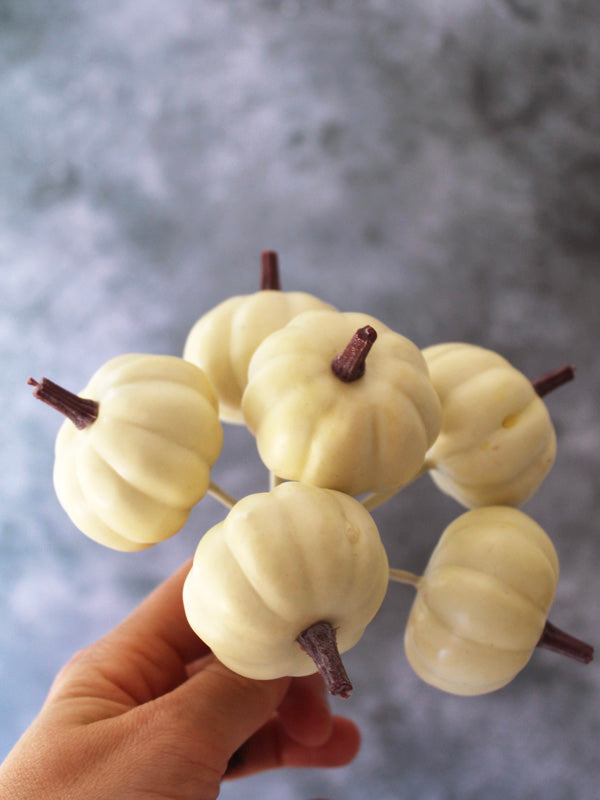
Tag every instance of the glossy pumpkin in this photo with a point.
(482, 602)
(130, 479)
(497, 442)
(370, 434)
(280, 562)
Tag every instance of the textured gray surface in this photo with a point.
(436, 164)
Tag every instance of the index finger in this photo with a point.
(160, 620)
(145, 656)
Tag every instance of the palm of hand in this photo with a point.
(148, 713)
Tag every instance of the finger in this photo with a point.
(142, 658)
(198, 664)
(214, 712)
(161, 618)
(304, 712)
(271, 748)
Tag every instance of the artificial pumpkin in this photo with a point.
(497, 442)
(482, 602)
(136, 452)
(223, 340)
(281, 563)
(364, 431)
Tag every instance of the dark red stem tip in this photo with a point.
(81, 411)
(269, 278)
(552, 380)
(350, 365)
(558, 641)
(319, 641)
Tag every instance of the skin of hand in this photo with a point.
(148, 713)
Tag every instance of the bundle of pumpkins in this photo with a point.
(346, 412)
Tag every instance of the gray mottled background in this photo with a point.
(435, 163)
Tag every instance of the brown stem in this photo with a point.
(552, 380)
(553, 638)
(81, 411)
(350, 365)
(269, 278)
(319, 641)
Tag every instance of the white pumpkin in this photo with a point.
(281, 562)
(497, 442)
(224, 339)
(130, 476)
(482, 602)
(366, 434)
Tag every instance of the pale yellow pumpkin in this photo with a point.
(497, 442)
(130, 478)
(369, 434)
(224, 339)
(482, 602)
(280, 562)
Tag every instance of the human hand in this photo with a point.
(147, 712)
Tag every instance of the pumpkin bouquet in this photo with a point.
(345, 412)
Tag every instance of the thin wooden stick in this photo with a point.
(402, 576)
(376, 499)
(274, 480)
(221, 495)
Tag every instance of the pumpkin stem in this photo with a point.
(553, 638)
(552, 380)
(269, 278)
(81, 411)
(319, 641)
(350, 365)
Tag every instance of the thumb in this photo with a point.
(216, 710)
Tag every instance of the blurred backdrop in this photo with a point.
(435, 163)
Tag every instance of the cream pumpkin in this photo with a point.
(224, 339)
(131, 475)
(497, 442)
(365, 434)
(482, 602)
(279, 563)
